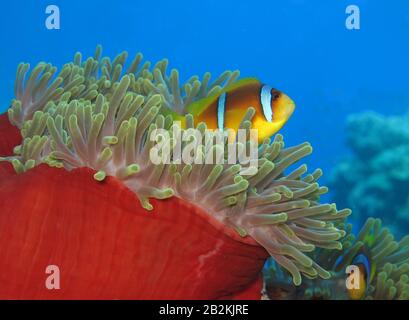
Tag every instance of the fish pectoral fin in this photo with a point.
(234, 118)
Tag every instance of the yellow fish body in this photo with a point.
(227, 109)
(366, 274)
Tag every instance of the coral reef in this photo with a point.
(98, 114)
(374, 179)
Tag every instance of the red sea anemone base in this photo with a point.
(9, 136)
(107, 247)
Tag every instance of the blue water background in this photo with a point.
(300, 47)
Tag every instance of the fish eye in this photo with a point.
(275, 95)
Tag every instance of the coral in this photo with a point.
(388, 258)
(373, 180)
(95, 115)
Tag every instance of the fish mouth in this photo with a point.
(290, 106)
(291, 109)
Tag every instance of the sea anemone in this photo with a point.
(389, 260)
(107, 246)
(9, 136)
(95, 119)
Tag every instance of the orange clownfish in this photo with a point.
(365, 276)
(226, 109)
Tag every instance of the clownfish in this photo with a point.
(364, 267)
(226, 109)
(367, 269)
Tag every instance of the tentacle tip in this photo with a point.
(297, 280)
(242, 233)
(100, 176)
(167, 193)
(146, 204)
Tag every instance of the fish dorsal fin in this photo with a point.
(241, 83)
(364, 257)
(199, 106)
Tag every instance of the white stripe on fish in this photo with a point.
(221, 107)
(265, 97)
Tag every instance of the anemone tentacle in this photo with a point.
(388, 259)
